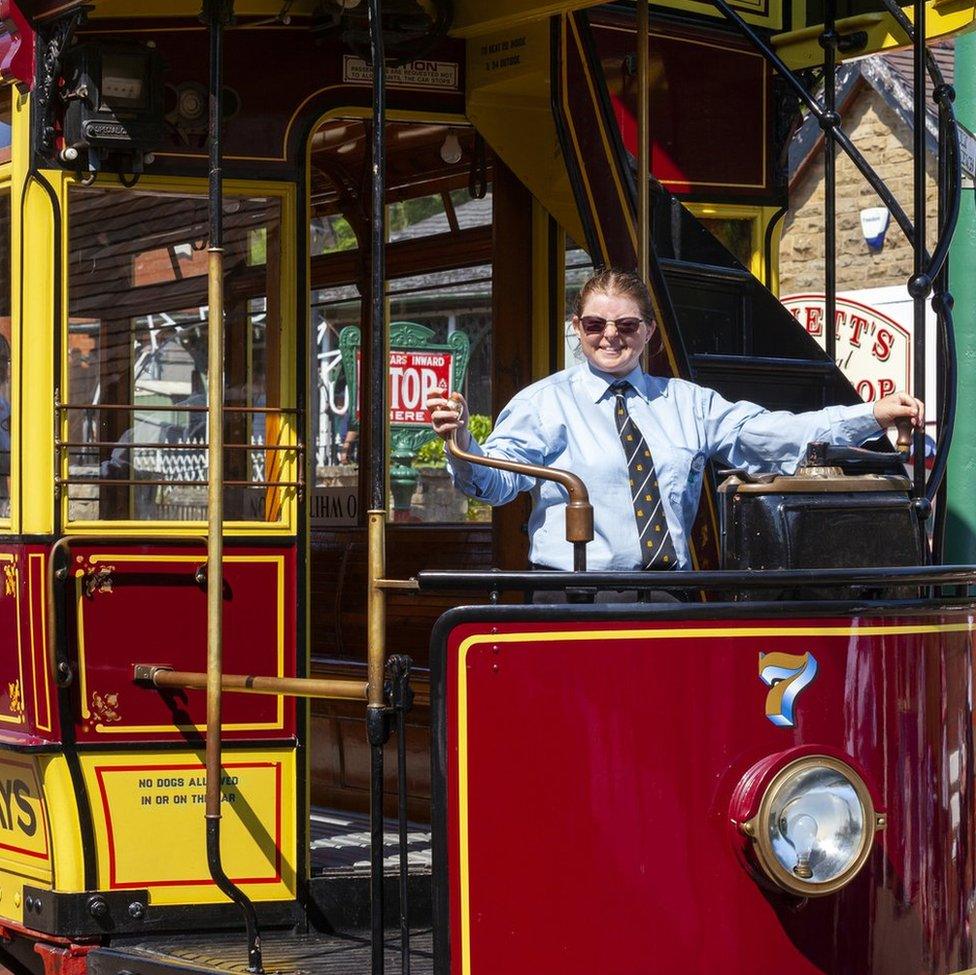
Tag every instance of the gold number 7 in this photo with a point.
(786, 674)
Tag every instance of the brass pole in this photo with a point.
(376, 608)
(215, 526)
(334, 690)
(643, 162)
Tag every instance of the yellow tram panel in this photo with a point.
(148, 808)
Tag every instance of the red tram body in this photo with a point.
(583, 787)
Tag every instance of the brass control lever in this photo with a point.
(904, 444)
(579, 511)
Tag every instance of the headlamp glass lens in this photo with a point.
(816, 824)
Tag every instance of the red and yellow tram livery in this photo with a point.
(232, 640)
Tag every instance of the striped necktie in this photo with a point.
(657, 548)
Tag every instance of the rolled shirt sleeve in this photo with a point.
(753, 439)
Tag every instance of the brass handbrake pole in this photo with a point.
(376, 728)
(218, 14)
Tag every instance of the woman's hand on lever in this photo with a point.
(447, 414)
(900, 406)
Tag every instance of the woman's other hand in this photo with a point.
(447, 414)
(898, 406)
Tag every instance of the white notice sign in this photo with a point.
(423, 74)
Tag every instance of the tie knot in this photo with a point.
(620, 387)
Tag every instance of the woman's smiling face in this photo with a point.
(609, 350)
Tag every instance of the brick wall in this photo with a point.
(886, 144)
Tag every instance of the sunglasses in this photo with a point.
(594, 324)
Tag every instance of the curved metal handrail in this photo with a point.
(579, 511)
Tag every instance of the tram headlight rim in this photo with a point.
(755, 829)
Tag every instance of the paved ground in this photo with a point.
(341, 840)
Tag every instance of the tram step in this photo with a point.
(203, 954)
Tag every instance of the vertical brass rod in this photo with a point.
(376, 723)
(376, 608)
(643, 142)
(218, 14)
(215, 523)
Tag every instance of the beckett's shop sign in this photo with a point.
(873, 349)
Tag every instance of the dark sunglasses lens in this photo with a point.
(593, 324)
(627, 326)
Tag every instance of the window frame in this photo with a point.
(294, 463)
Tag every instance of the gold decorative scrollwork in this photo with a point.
(104, 707)
(9, 579)
(16, 701)
(98, 578)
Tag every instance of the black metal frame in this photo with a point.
(929, 269)
(934, 576)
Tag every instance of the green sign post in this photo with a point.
(416, 366)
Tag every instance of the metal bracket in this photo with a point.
(146, 673)
(50, 55)
(85, 914)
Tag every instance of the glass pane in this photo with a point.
(331, 234)
(336, 429)
(5, 344)
(445, 302)
(6, 340)
(735, 235)
(578, 269)
(137, 347)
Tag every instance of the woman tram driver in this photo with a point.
(639, 442)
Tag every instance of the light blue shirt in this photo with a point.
(567, 421)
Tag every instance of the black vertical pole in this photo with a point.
(920, 284)
(828, 41)
(376, 719)
(217, 15)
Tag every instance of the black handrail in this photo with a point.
(928, 268)
(826, 120)
(927, 575)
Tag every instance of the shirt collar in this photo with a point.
(597, 383)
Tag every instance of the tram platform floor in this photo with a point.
(339, 842)
(286, 954)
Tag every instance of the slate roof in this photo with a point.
(891, 76)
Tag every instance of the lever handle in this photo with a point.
(904, 444)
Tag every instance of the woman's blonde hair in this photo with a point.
(612, 281)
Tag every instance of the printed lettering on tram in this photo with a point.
(291, 680)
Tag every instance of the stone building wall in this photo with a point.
(886, 143)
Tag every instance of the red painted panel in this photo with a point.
(12, 688)
(143, 605)
(16, 45)
(600, 768)
(710, 110)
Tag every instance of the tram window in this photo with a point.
(458, 300)
(578, 267)
(735, 235)
(331, 234)
(6, 400)
(6, 123)
(439, 243)
(439, 213)
(136, 422)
